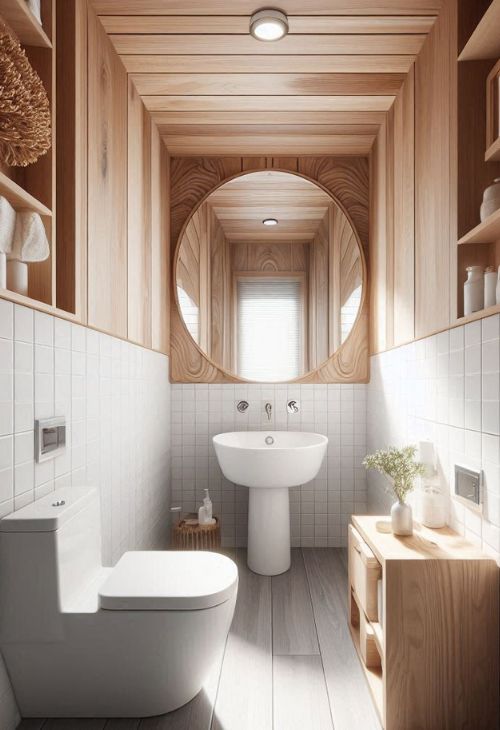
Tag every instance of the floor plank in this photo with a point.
(300, 696)
(350, 699)
(294, 630)
(244, 700)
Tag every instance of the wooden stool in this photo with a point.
(196, 537)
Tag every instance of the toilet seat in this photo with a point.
(168, 581)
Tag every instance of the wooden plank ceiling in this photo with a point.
(215, 90)
(243, 203)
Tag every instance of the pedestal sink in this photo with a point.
(269, 463)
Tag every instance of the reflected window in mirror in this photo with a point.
(269, 327)
(190, 314)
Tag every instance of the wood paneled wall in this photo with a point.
(127, 204)
(427, 179)
(192, 179)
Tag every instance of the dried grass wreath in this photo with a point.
(25, 125)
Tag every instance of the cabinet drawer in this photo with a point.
(364, 571)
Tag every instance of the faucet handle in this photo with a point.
(242, 406)
(293, 406)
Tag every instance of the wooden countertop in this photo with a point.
(424, 544)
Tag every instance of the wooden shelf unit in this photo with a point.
(21, 20)
(437, 631)
(19, 198)
(485, 40)
(486, 232)
(493, 114)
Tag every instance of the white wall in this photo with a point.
(320, 510)
(116, 399)
(445, 388)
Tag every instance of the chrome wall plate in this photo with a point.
(50, 438)
(468, 486)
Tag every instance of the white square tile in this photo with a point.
(44, 329)
(23, 324)
(6, 319)
(62, 333)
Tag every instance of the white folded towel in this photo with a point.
(30, 239)
(7, 225)
(34, 6)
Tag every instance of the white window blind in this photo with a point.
(269, 328)
(190, 313)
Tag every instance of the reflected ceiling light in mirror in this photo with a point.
(269, 25)
(270, 221)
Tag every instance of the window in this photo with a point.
(190, 313)
(349, 312)
(270, 328)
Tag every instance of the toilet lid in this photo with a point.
(162, 581)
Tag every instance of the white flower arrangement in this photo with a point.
(399, 465)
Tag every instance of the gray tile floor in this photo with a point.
(289, 663)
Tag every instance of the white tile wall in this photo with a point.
(320, 510)
(445, 388)
(116, 399)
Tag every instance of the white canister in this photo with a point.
(490, 287)
(498, 286)
(474, 290)
(17, 276)
(432, 507)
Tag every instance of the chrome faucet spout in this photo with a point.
(269, 410)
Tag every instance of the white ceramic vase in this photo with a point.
(3, 270)
(474, 290)
(491, 200)
(401, 519)
(490, 287)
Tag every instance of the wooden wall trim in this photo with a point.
(346, 179)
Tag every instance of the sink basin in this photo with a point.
(290, 458)
(269, 462)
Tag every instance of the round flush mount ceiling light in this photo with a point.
(270, 221)
(269, 25)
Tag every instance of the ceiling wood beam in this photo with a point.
(214, 130)
(269, 103)
(234, 24)
(310, 119)
(290, 45)
(266, 84)
(247, 7)
(279, 145)
(371, 64)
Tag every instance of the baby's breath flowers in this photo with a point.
(399, 465)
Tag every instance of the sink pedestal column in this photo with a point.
(269, 530)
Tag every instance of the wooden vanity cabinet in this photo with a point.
(428, 635)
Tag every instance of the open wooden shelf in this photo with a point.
(481, 314)
(486, 232)
(24, 24)
(485, 40)
(19, 198)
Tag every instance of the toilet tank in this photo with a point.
(49, 550)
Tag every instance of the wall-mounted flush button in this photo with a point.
(468, 486)
(50, 438)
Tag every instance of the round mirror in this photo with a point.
(269, 276)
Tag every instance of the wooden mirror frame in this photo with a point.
(189, 363)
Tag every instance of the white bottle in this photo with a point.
(498, 286)
(473, 290)
(202, 515)
(490, 287)
(207, 504)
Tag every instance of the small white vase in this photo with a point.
(498, 286)
(3, 270)
(474, 290)
(401, 519)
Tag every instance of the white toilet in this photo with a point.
(80, 640)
